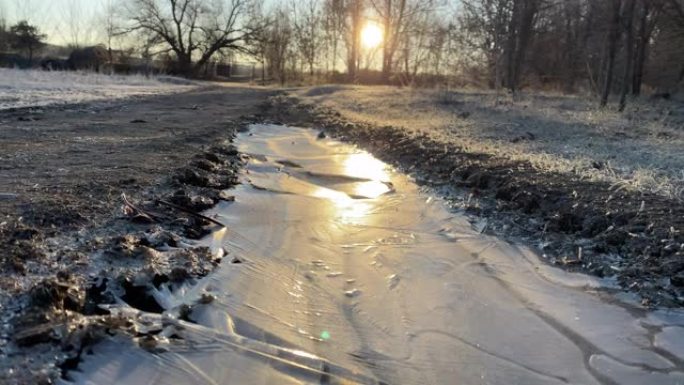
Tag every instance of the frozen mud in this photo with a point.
(345, 271)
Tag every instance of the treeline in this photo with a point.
(607, 47)
(602, 46)
(321, 40)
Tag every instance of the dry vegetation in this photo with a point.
(32, 88)
(638, 149)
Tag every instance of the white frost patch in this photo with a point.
(35, 88)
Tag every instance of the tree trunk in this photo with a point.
(511, 45)
(263, 68)
(386, 46)
(334, 55)
(185, 64)
(569, 51)
(407, 67)
(353, 63)
(646, 25)
(519, 33)
(611, 48)
(593, 73)
(629, 52)
(393, 30)
(524, 34)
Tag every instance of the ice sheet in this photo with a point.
(352, 274)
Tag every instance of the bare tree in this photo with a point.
(258, 42)
(400, 21)
(77, 22)
(675, 22)
(272, 44)
(567, 21)
(649, 12)
(193, 30)
(4, 35)
(356, 8)
(520, 29)
(484, 25)
(611, 50)
(393, 14)
(334, 24)
(279, 37)
(628, 27)
(110, 25)
(417, 41)
(437, 48)
(306, 26)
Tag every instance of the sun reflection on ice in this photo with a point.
(363, 165)
(346, 208)
(355, 207)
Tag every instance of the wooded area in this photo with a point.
(604, 47)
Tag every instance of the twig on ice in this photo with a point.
(183, 209)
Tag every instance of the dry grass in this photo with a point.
(30, 88)
(639, 149)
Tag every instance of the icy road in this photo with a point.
(344, 271)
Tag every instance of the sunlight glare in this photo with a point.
(347, 210)
(364, 165)
(371, 36)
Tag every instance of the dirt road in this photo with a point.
(71, 158)
(62, 173)
(346, 272)
(339, 268)
(64, 169)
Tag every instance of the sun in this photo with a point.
(371, 35)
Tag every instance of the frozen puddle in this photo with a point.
(350, 274)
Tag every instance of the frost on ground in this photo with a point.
(638, 149)
(34, 88)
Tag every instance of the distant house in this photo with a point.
(54, 64)
(89, 58)
(13, 60)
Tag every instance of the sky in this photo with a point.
(54, 18)
(71, 22)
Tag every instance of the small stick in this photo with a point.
(183, 209)
(136, 209)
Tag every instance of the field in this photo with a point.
(640, 149)
(35, 88)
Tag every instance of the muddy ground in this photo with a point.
(68, 237)
(70, 242)
(635, 238)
